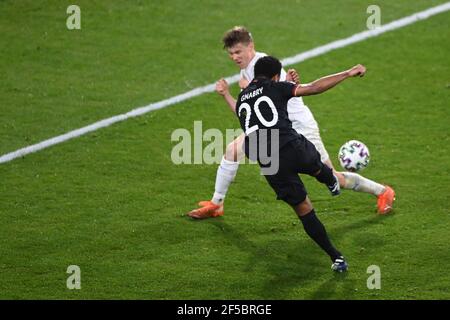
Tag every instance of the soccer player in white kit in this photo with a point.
(240, 46)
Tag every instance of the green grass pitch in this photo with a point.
(113, 203)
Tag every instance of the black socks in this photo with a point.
(326, 176)
(316, 230)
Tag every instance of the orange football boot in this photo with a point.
(208, 210)
(385, 200)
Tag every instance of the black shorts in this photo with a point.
(297, 156)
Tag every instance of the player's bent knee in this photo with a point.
(304, 207)
(234, 150)
(231, 152)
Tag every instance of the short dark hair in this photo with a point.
(268, 67)
(238, 34)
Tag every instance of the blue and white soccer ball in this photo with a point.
(354, 156)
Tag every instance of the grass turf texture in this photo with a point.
(113, 203)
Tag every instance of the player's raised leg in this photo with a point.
(224, 177)
(350, 180)
(356, 182)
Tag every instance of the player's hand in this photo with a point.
(292, 76)
(222, 87)
(243, 83)
(358, 70)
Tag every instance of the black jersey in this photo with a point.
(263, 105)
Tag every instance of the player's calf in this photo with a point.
(315, 229)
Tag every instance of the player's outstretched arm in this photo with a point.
(222, 89)
(328, 82)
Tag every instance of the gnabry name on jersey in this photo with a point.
(252, 94)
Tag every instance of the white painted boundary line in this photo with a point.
(210, 88)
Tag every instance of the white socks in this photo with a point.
(228, 169)
(358, 183)
(225, 176)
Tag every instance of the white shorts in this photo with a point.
(304, 123)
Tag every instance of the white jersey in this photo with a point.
(301, 117)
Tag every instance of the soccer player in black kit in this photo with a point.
(262, 112)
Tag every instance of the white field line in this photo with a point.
(210, 88)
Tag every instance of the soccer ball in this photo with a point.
(354, 155)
